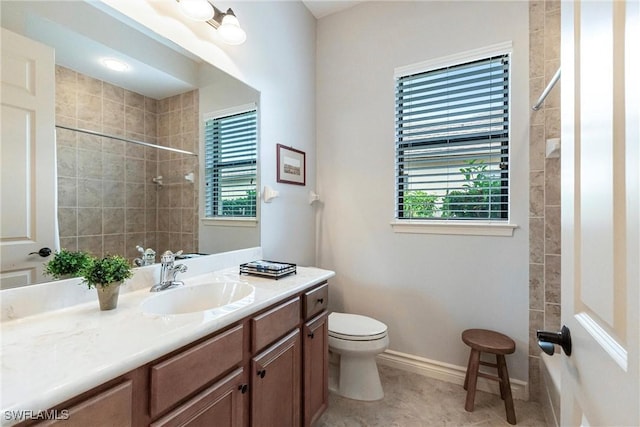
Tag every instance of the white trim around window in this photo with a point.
(484, 228)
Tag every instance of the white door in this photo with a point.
(28, 174)
(601, 212)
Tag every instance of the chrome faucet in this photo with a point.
(168, 271)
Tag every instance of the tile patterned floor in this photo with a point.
(413, 400)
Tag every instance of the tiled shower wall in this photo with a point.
(178, 198)
(544, 181)
(107, 200)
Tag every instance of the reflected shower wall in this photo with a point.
(107, 200)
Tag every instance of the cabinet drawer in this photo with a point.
(219, 405)
(316, 300)
(178, 377)
(274, 324)
(112, 407)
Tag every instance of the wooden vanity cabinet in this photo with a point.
(315, 360)
(269, 369)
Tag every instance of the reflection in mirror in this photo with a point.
(114, 195)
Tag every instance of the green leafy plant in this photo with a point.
(106, 271)
(480, 198)
(419, 204)
(67, 263)
(240, 206)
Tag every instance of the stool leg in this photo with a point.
(503, 394)
(472, 374)
(466, 375)
(505, 388)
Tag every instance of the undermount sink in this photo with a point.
(226, 296)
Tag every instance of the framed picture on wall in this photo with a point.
(292, 168)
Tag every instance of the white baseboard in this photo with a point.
(446, 372)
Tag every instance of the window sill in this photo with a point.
(230, 222)
(467, 228)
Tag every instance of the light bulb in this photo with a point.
(114, 64)
(198, 10)
(230, 30)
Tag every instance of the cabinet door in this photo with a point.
(221, 405)
(112, 407)
(275, 391)
(315, 368)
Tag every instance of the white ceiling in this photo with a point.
(82, 33)
(322, 8)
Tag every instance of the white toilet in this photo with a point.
(357, 340)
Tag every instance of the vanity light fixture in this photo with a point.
(115, 64)
(226, 23)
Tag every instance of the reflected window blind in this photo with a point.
(230, 165)
(452, 142)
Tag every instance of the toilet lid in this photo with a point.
(355, 327)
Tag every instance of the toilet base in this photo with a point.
(357, 378)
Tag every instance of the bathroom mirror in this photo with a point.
(113, 194)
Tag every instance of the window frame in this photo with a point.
(223, 220)
(490, 227)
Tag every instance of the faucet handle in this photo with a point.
(167, 257)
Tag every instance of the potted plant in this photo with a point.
(66, 264)
(106, 275)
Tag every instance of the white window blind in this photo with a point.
(230, 165)
(452, 142)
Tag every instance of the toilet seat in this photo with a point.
(354, 327)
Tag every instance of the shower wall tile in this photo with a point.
(112, 93)
(150, 105)
(544, 218)
(68, 222)
(91, 244)
(552, 182)
(67, 192)
(90, 193)
(536, 194)
(112, 166)
(89, 221)
(67, 161)
(89, 164)
(113, 244)
(89, 142)
(113, 221)
(552, 269)
(89, 108)
(536, 61)
(132, 99)
(552, 230)
(112, 114)
(89, 85)
(113, 194)
(536, 15)
(536, 286)
(107, 186)
(536, 322)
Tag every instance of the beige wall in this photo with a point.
(427, 288)
(544, 191)
(107, 200)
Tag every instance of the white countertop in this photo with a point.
(53, 356)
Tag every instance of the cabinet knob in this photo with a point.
(320, 300)
(262, 373)
(243, 388)
(310, 335)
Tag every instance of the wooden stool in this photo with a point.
(482, 340)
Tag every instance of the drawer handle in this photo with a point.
(320, 300)
(310, 335)
(243, 388)
(262, 373)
